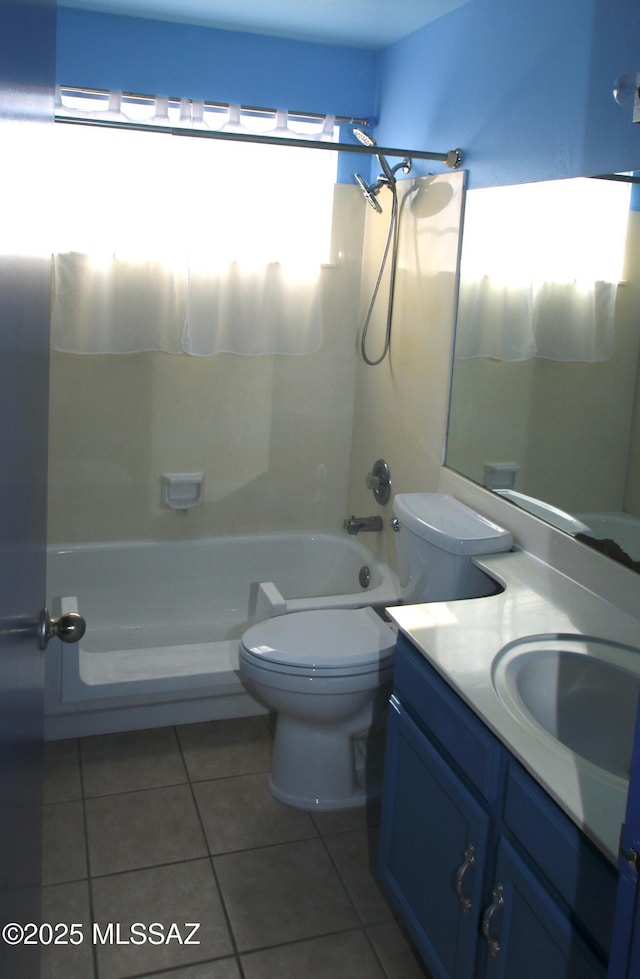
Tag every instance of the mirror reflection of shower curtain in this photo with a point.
(565, 321)
(540, 269)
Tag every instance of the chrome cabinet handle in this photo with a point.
(496, 904)
(469, 861)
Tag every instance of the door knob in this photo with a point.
(70, 627)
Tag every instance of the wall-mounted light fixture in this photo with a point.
(626, 92)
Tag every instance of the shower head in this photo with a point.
(388, 175)
(364, 138)
(368, 140)
(369, 192)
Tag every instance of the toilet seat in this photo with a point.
(321, 642)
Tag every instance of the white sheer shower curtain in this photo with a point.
(188, 245)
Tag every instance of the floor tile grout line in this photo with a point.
(364, 925)
(341, 879)
(150, 866)
(223, 903)
(148, 788)
(177, 969)
(61, 883)
(308, 938)
(215, 778)
(375, 951)
(164, 785)
(92, 917)
(161, 785)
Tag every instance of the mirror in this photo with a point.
(545, 406)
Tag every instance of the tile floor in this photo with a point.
(177, 825)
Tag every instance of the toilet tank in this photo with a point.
(437, 537)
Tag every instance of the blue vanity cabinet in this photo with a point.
(434, 849)
(490, 877)
(525, 934)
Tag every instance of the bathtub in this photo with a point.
(616, 525)
(164, 620)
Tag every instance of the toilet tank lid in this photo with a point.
(450, 524)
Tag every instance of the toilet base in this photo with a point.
(319, 768)
(359, 798)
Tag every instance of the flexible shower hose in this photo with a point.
(392, 239)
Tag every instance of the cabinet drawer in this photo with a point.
(581, 875)
(443, 715)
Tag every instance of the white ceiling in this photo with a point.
(361, 23)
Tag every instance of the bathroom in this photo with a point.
(294, 437)
(537, 106)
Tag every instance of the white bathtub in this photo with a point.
(616, 525)
(164, 621)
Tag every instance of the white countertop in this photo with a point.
(461, 639)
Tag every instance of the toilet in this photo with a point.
(327, 673)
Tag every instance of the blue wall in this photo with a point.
(524, 88)
(166, 58)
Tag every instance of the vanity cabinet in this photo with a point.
(489, 876)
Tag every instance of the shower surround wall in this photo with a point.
(271, 434)
(401, 405)
(285, 443)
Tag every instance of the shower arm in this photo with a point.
(451, 159)
(403, 165)
(370, 191)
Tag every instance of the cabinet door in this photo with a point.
(527, 934)
(432, 850)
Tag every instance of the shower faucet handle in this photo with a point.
(379, 481)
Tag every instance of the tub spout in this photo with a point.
(353, 525)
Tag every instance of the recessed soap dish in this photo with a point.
(500, 475)
(182, 491)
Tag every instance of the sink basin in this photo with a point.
(581, 691)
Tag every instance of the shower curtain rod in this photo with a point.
(452, 159)
(627, 178)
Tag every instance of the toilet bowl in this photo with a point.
(328, 675)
